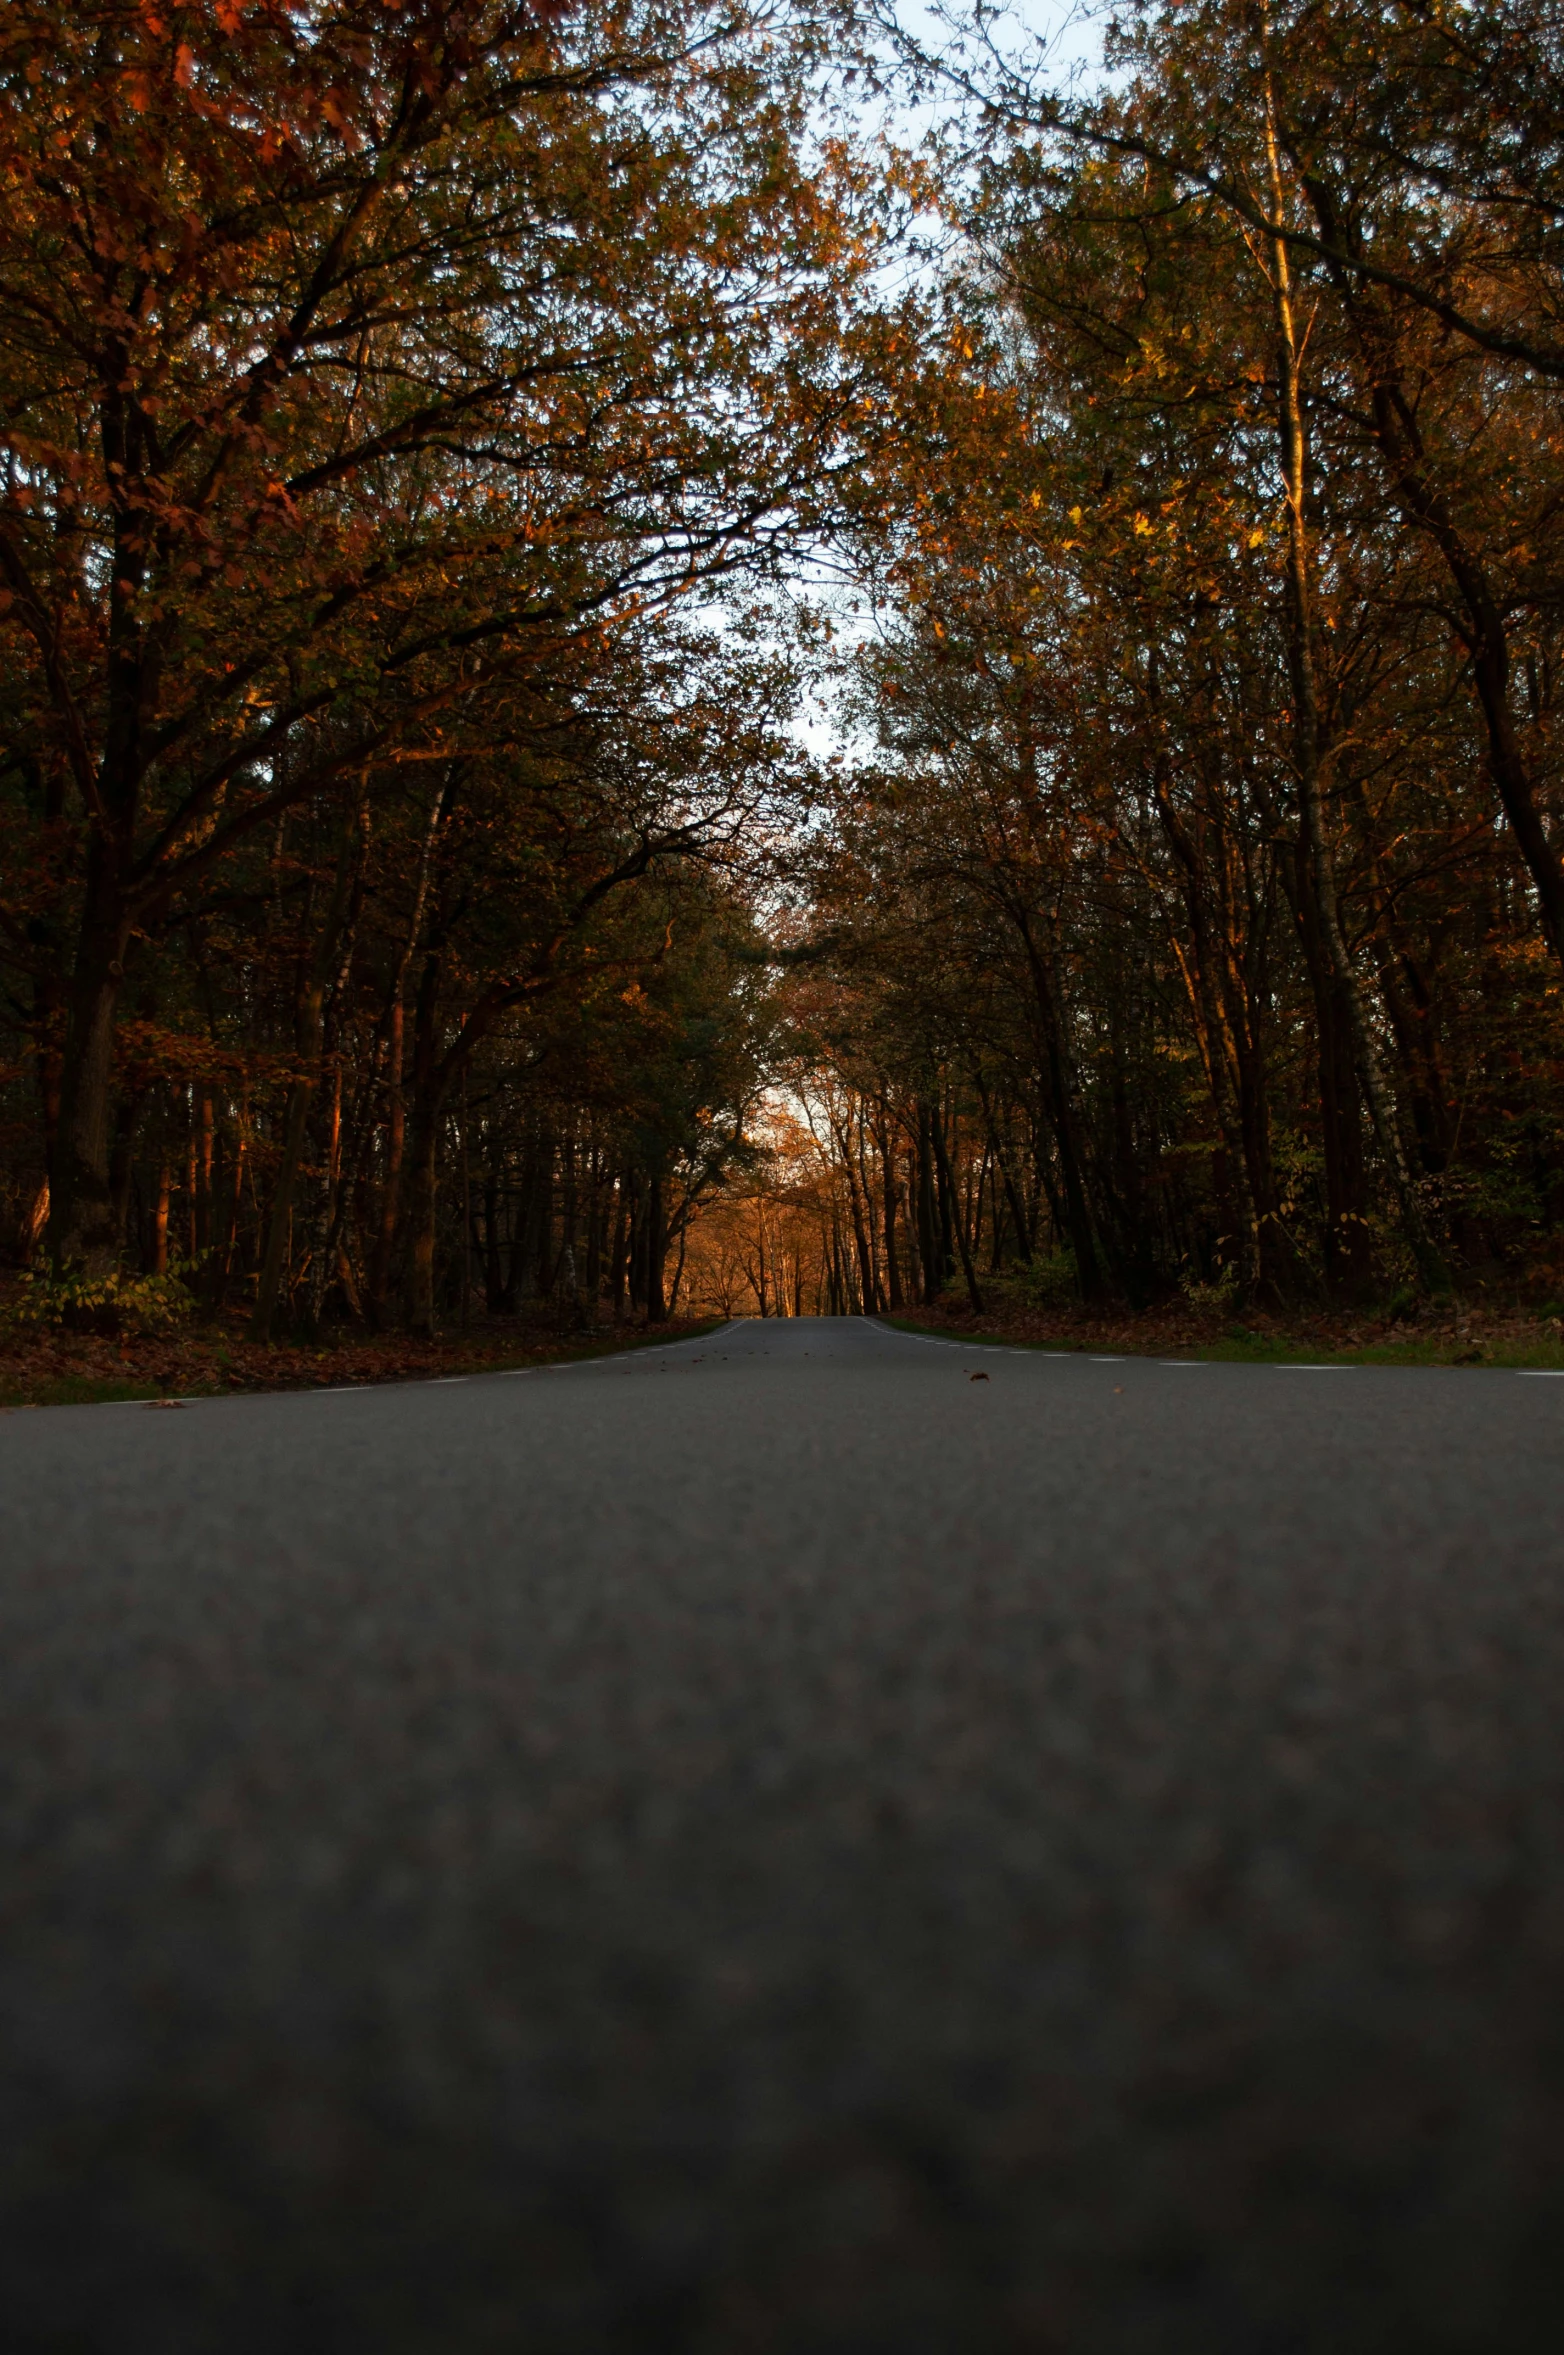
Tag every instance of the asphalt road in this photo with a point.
(775, 1847)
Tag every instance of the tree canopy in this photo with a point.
(443, 444)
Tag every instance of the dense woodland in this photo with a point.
(445, 446)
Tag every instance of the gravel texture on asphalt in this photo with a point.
(775, 1847)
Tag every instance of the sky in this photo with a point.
(1072, 32)
(1071, 29)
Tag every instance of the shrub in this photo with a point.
(1045, 1282)
(149, 1306)
(1219, 1295)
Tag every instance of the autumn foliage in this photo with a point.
(380, 384)
(422, 425)
(1201, 891)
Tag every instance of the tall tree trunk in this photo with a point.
(160, 1216)
(912, 1229)
(206, 1137)
(431, 1079)
(1023, 1225)
(637, 1245)
(309, 1036)
(568, 1217)
(1347, 1253)
(1198, 969)
(544, 1263)
(948, 1185)
(390, 1209)
(49, 1018)
(327, 1255)
(944, 1197)
(877, 1294)
(656, 1249)
(82, 1231)
(883, 1140)
(866, 1267)
(493, 1279)
(1307, 732)
(1059, 1110)
(122, 1160)
(422, 1203)
(390, 1216)
(678, 1273)
(620, 1250)
(222, 1266)
(466, 1262)
(928, 1243)
(594, 1249)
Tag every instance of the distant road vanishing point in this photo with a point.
(774, 1847)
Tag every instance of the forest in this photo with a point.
(662, 661)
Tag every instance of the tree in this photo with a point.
(360, 365)
(1152, 576)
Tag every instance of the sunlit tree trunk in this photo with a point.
(1307, 731)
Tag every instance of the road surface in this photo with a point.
(777, 1847)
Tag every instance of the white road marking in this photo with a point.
(944, 1341)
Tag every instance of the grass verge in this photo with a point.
(1513, 1344)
